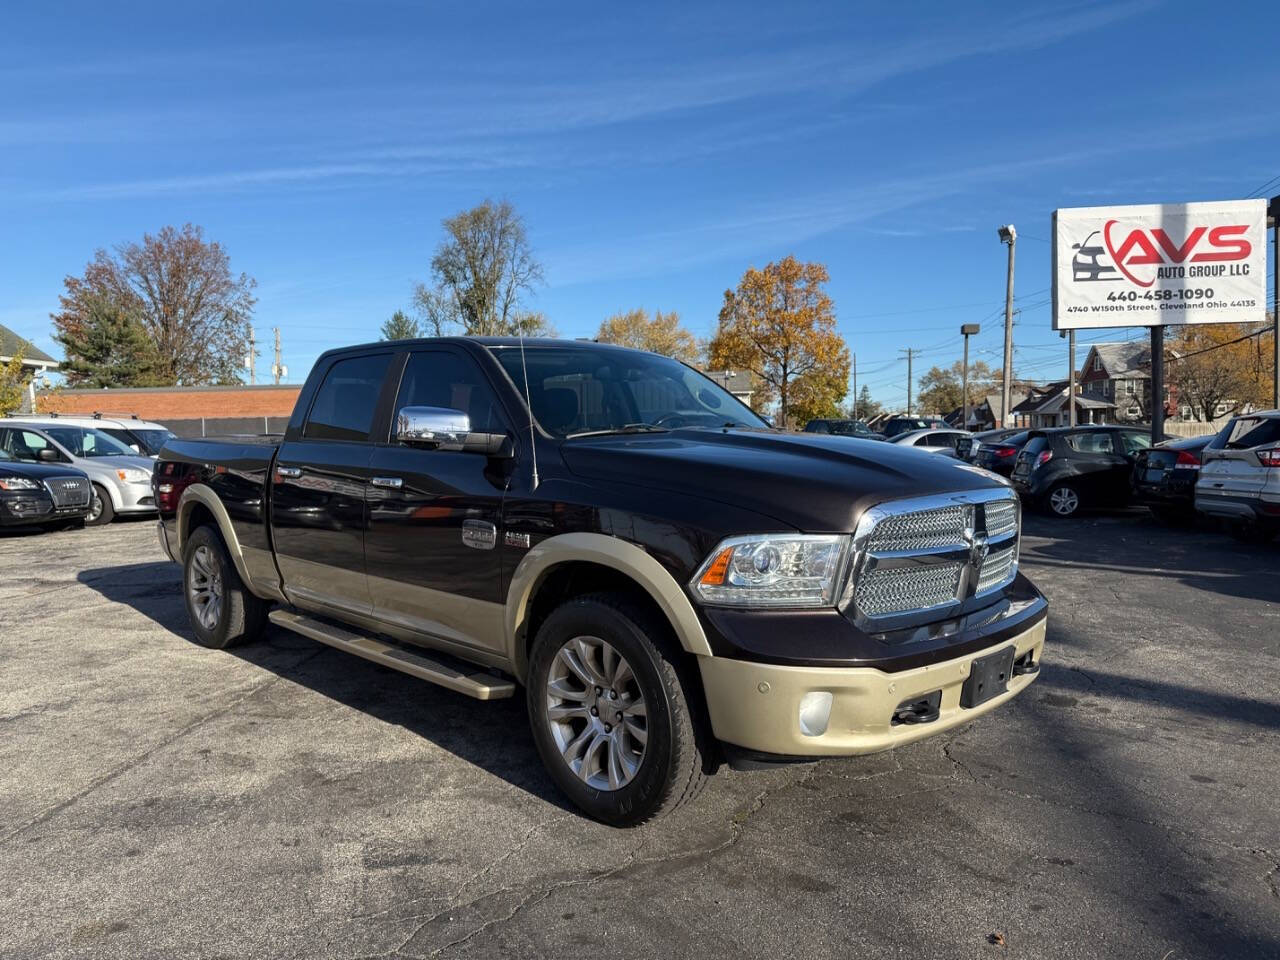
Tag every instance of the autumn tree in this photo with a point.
(1220, 365)
(400, 326)
(482, 271)
(780, 325)
(661, 333)
(942, 388)
(13, 382)
(109, 348)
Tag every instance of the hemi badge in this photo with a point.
(516, 539)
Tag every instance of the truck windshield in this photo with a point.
(585, 390)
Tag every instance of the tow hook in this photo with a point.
(1025, 666)
(918, 710)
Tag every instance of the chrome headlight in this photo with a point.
(18, 483)
(132, 475)
(773, 570)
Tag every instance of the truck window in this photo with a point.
(346, 401)
(439, 378)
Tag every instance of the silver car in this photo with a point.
(121, 478)
(931, 441)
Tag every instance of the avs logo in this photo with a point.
(1145, 254)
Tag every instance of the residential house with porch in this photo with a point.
(35, 362)
(1119, 373)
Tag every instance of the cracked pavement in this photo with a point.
(285, 800)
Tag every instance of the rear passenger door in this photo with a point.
(1097, 460)
(318, 509)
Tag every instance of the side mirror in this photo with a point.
(48, 455)
(446, 429)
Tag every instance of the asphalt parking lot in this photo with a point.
(158, 799)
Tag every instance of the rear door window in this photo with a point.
(1092, 442)
(346, 402)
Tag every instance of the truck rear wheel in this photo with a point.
(222, 610)
(616, 711)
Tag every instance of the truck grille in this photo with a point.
(68, 491)
(913, 557)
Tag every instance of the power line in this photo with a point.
(1258, 192)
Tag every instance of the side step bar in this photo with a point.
(472, 682)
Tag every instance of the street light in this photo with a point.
(1008, 234)
(966, 330)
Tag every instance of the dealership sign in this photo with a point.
(1161, 264)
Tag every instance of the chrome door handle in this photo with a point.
(288, 471)
(391, 483)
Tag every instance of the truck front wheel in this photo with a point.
(222, 610)
(615, 709)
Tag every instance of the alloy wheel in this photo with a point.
(596, 713)
(204, 587)
(1064, 501)
(95, 508)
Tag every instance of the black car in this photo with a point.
(1066, 468)
(842, 428)
(45, 494)
(896, 425)
(996, 450)
(1164, 478)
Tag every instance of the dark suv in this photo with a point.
(896, 425)
(1066, 468)
(842, 428)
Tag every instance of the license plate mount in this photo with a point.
(988, 677)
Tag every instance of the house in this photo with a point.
(1046, 406)
(986, 413)
(737, 382)
(35, 362)
(1120, 373)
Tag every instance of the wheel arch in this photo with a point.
(612, 560)
(200, 504)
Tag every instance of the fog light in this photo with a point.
(815, 712)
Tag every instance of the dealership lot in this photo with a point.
(158, 799)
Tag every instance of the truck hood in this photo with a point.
(813, 482)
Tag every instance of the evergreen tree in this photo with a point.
(401, 326)
(110, 348)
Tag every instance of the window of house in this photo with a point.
(348, 398)
(1097, 364)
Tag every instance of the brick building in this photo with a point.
(187, 411)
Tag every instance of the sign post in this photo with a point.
(1159, 265)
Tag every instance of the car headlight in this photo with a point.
(773, 570)
(131, 475)
(18, 483)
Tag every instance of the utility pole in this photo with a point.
(1157, 384)
(855, 386)
(1008, 234)
(278, 369)
(966, 330)
(910, 353)
(248, 360)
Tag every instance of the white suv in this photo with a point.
(1240, 477)
(141, 436)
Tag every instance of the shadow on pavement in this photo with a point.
(492, 735)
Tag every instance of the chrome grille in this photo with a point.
(68, 491)
(912, 557)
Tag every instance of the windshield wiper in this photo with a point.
(626, 428)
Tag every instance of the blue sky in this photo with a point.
(655, 153)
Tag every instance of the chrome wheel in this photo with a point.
(95, 508)
(204, 587)
(1064, 501)
(596, 713)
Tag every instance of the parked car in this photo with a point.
(140, 436)
(1240, 479)
(931, 441)
(666, 576)
(42, 493)
(999, 455)
(896, 425)
(967, 448)
(1064, 469)
(842, 428)
(1164, 478)
(121, 480)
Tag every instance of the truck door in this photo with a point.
(435, 540)
(318, 510)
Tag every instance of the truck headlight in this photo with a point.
(773, 570)
(18, 483)
(131, 475)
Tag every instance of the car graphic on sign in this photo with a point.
(1087, 264)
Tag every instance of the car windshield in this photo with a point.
(575, 391)
(88, 442)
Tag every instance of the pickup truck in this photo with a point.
(673, 582)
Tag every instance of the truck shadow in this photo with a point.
(492, 735)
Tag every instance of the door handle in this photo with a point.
(288, 471)
(391, 483)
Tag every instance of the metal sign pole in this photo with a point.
(1157, 384)
(1071, 375)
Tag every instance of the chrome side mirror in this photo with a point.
(431, 426)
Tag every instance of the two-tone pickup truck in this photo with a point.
(671, 581)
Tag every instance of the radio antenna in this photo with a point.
(533, 439)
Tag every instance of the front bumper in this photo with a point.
(135, 498)
(35, 506)
(757, 706)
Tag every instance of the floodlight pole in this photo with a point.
(1008, 234)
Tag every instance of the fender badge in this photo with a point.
(516, 539)
(479, 535)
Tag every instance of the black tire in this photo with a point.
(1063, 501)
(106, 513)
(241, 617)
(678, 748)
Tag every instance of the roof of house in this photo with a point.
(11, 344)
(1056, 403)
(1129, 359)
(992, 402)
